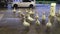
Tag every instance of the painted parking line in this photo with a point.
(1, 16)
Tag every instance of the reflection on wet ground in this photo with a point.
(10, 23)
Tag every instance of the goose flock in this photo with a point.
(36, 17)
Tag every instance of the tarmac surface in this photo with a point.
(10, 23)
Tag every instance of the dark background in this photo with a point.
(45, 0)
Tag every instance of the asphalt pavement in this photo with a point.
(10, 23)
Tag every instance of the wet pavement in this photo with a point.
(10, 23)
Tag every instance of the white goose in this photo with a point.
(37, 21)
(58, 17)
(49, 24)
(26, 10)
(19, 13)
(37, 16)
(43, 16)
(28, 17)
(14, 10)
(25, 23)
(31, 12)
(59, 12)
